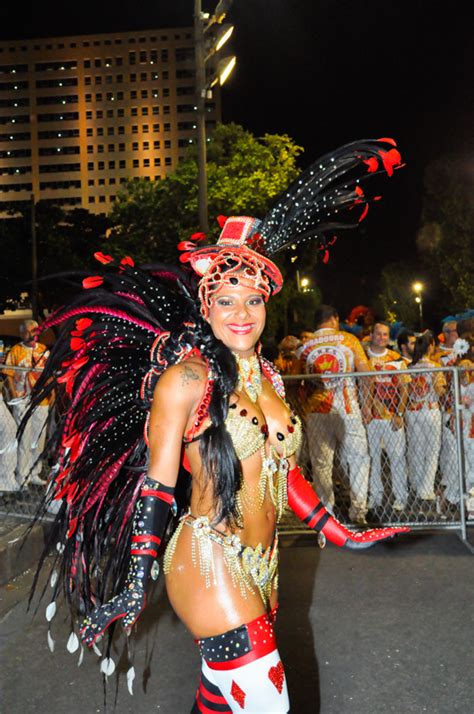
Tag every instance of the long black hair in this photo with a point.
(217, 451)
(422, 345)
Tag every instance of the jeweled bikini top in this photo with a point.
(249, 436)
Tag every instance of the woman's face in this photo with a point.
(237, 317)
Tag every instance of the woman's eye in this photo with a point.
(256, 301)
(224, 303)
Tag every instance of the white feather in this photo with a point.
(130, 678)
(96, 650)
(107, 666)
(72, 643)
(50, 611)
(50, 642)
(81, 657)
(54, 578)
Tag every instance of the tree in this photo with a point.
(290, 311)
(396, 300)
(244, 174)
(446, 237)
(66, 241)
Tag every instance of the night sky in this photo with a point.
(326, 73)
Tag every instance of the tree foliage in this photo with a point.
(396, 299)
(244, 174)
(66, 241)
(446, 238)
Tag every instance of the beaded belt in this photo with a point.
(249, 568)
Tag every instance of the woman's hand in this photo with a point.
(126, 606)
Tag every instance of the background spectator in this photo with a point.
(386, 428)
(424, 418)
(406, 342)
(31, 354)
(332, 410)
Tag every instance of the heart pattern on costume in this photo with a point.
(238, 694)
(276, 675)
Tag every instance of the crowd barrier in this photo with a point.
(380, 448)
(390, 447)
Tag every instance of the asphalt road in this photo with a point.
(385, 630)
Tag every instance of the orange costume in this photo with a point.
(334, 415)
(22, 382)
(386, 427)
(423, 418)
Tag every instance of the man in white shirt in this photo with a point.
(333, 413)
(386, 428)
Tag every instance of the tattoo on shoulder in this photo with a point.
(188, 374)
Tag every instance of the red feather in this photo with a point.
(77, 343)
(103, 258)
(391, 159)
(221, 220)
(184, 257)
(83, 323)
(93, 282)
(186, 245)
(388, 141)
(127, 261)
(372, 164)
(198, 236)
(72, 527)
(364, 212)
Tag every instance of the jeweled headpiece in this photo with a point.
(326, 198)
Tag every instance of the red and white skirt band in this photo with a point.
(242, 671)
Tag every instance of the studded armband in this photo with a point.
(149, 523)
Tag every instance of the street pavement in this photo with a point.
(389, 629)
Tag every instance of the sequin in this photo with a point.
(276, 675)
(238, 694)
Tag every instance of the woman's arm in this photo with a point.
(176, 396)
(305, 503)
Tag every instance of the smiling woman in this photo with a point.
(178, 355)
(237, 317)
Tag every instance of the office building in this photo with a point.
(81, 115)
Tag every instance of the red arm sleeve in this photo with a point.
(307, 506)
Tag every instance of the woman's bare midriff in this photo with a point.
(210, 611)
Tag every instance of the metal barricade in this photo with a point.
(390, 447)
(380, 447)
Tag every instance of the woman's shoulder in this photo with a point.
(184, 381)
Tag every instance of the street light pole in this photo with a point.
(201, 116)
(419, 300)
(418, 290)
(34, 261)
